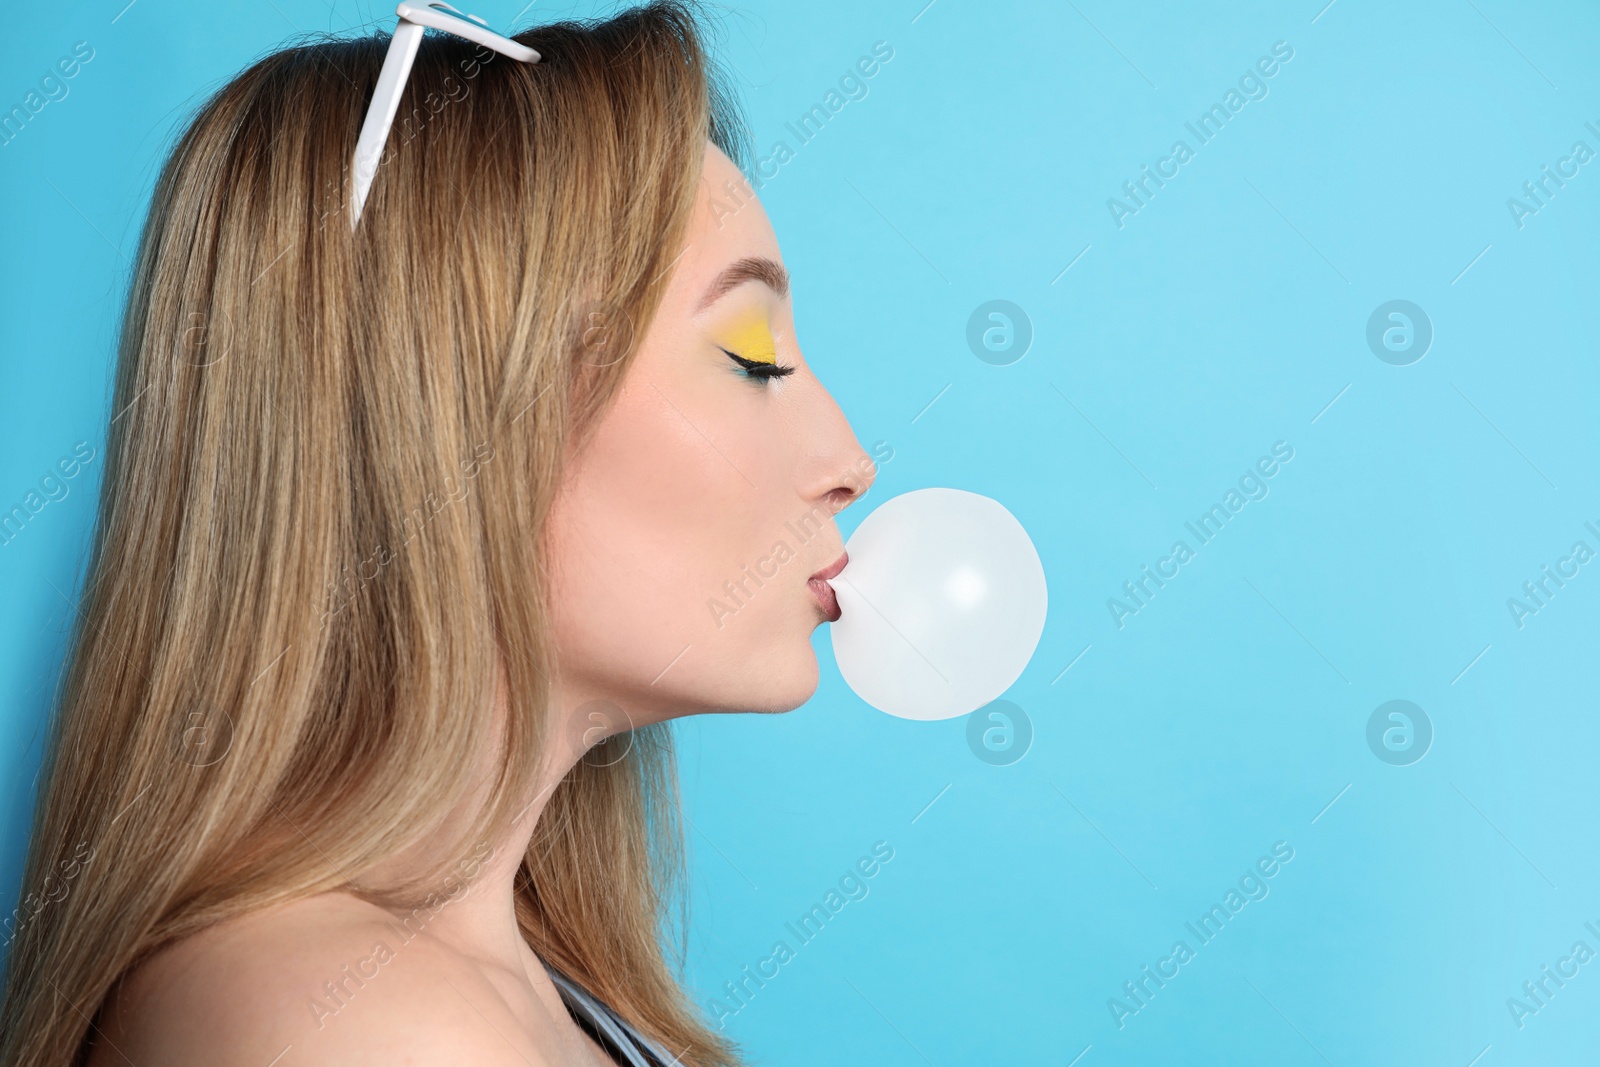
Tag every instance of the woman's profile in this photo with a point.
(413, 536)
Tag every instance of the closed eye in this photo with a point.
(757, 369)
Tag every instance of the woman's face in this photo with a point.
(686, 534)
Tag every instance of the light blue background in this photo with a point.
(1223, 317)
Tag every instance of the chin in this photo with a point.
(779, 683)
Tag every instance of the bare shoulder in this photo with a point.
(328, 980)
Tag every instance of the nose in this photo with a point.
(835, 470)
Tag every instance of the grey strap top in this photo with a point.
(616, 1035)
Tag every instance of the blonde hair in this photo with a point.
(329, 460)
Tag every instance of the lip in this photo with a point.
(826, 598)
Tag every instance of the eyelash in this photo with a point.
(758, 371)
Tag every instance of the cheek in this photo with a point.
(670, 504)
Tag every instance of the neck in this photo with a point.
(479, 919)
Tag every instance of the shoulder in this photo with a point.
(327, 980)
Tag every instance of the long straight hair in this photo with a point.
(330, 461)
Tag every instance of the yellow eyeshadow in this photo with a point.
(751, 339)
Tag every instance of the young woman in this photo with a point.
(412, 538)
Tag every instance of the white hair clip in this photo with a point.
(414, 18)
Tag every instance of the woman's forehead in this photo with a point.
(728, 225)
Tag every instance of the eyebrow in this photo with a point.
(750, 269)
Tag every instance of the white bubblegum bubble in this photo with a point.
(942, 603)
